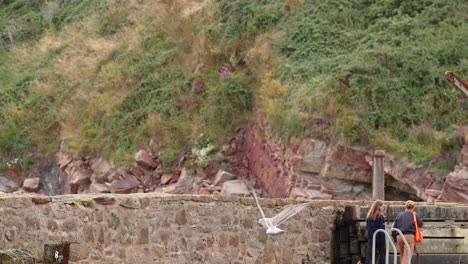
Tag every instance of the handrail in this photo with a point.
(387, 240)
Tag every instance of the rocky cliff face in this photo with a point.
(317, 170)
(309, 168)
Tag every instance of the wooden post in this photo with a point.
(56, 252)
(378, 179)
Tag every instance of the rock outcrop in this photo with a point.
(309, 168)
(315, 169)
(456, 186)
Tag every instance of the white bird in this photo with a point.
(271, 224)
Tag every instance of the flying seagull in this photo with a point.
(271, 224)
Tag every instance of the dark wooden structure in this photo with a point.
(56, 252)
(445, 233)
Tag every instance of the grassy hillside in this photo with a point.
(112, 76)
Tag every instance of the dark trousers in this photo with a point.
(379, 252)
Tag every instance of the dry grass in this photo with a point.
(262, 57)
(79, 60)
(293, 4)
(192, 7)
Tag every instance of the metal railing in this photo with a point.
(388, 240)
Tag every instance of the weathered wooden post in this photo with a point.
(378, 179)
(56, 252)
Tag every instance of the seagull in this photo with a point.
(271, 224)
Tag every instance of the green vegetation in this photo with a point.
(111, 77)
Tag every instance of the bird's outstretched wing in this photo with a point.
(258, 205)
(287, 212)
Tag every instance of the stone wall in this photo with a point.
(143, 228)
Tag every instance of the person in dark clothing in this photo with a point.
(404, 221)
(375, 220)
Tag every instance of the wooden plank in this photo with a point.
(438, 259)
(426, 212)
(440, 238)
(444, 241)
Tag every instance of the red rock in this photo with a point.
(456, 187)
(433, 192)
(31, 184)
(143, 158)
(64, 160)
(205, 191)
(235, 187)
(230, 149)
(313, 153)
(129, 185)
(166, 178)
(198, 86)
(83, 189)
(104, 200)
(99, 188)
(136, 171)
(223, 176)
(79, 178)
(41, 199)
(297, 193)
(276, 184)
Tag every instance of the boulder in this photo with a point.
(99, 188)
(433, 193)
(166, 178)
(31, 184)
(135, 171)
(205, 191)
(63, 160)
(80, 178)
(7, 185)
(313, 153)
(348, 164)
(456, 187)
(297, 192)
(128, 185)
(317, 195)
(231, 148)
(143, 158)
(101, 168)
(223, 176)
(185, 186)
(235, 187)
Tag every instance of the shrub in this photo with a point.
(169, 156)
